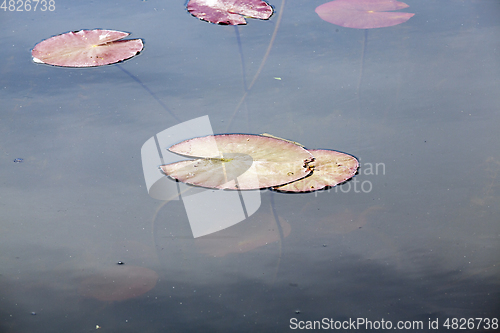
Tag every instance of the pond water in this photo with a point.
(414, 237)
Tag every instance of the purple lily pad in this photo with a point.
(363, 14)
(330, 168)
(230, 12)
(86, 48)
(239, 161)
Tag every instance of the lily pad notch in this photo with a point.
(239, 162)
(86, 48)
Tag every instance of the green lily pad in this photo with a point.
(330, 168)
(239, 161)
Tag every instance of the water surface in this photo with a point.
(414, 237)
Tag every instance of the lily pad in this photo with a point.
(86, 48)
(239, 161)
(119, 283)
(232, 12)
(330, 168)
(257, 231)
(363, 14)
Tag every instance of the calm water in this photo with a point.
(414, 236)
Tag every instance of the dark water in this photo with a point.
(415, 237)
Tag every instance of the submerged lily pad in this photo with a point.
(239, 161)
(86, 48)
(119, 283)
(258, 230)
(330, 168)
(232, 12)
(363, 14)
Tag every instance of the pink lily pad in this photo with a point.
(119, 283)
(86, 48)
(330, 168)
(363, 14)
(239, 161)
(230, 12)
